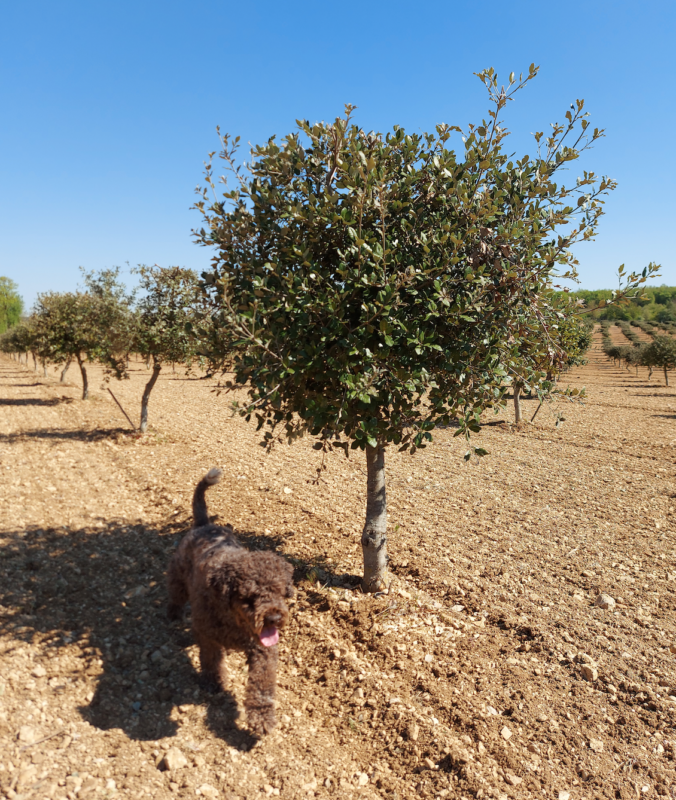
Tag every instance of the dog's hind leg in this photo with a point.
(178, 591)
(259, 700)
(214, 676)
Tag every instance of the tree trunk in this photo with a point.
(666, 377)
(85, 382)
(44, 369)
(35, 363)
(146, 395)
(374, 535)
(517, 403)
(64, 371)
(650, 372)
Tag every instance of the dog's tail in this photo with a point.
(199, 503)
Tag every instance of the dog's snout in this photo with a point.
(273, 619)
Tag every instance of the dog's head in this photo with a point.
(259, 595)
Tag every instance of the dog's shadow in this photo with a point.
(103, 589)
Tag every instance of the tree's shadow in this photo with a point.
(79, 435)
(35, 401)
(314, 569)
(26, 385)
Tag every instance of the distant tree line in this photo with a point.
(653, 304)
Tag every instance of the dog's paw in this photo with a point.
(261, 720)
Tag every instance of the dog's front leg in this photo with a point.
(260, 691)
(212, 661)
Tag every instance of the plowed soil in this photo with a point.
(487, 671)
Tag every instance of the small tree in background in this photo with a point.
(546, 350)
(70, 322)
(11, 304)
(636, 356)
(40, 344)
(624, 355)
(164, 316)
(92, 326)
(113, 309)
(17, 340)
(661, 353)
(376, 286)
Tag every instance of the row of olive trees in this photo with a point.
(367, 288)
(658, 354)
(104, 323)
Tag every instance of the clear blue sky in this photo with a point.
(108, 109)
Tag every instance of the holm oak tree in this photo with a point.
(370, 287)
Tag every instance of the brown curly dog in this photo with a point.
(238, 602)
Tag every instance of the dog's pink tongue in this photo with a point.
(269, 636)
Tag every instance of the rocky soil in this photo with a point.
(525, 649)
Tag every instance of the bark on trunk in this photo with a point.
(44, 369)
(85, 382)
(374, 535)
(64, 371)
(666, 377)
(517, 403)
(146, 396)
(35, 363)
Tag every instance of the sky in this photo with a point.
(109, 110)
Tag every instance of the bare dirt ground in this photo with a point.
(488, 670)
(617, 336)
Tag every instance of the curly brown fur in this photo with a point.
(238, 601)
